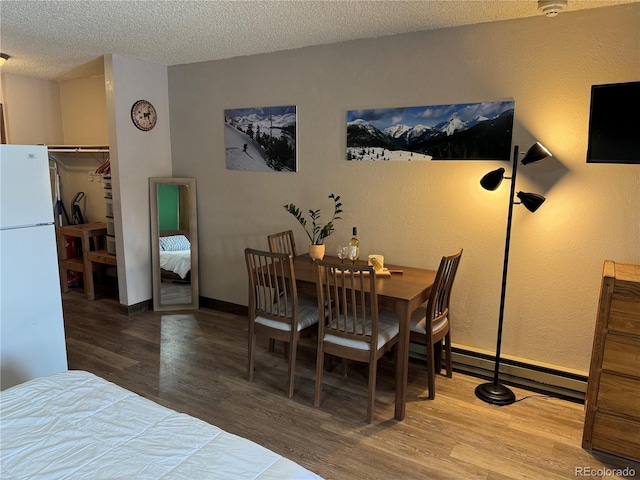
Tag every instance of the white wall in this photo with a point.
(415, 212)
(84, 111)
(135, 156)
(32, 110)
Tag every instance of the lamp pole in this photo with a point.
(496, 393)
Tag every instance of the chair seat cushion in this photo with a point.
(388, 328)
(420, 326)
(307, 315)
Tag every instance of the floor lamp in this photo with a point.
(494, 392)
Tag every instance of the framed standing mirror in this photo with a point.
(174, 243)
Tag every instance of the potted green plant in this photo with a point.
(317, 232)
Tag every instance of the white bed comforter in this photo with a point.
(177, 261)
(75, 425)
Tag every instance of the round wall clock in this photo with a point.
(144, 115)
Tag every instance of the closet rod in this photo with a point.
(78, 148)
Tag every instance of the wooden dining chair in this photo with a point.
(353, 328)
(432, 328)
(275, 311)
(283, 242)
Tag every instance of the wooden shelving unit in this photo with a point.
(92, 237)
(92, 261)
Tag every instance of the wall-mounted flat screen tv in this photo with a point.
(614, 123)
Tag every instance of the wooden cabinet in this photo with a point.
(612, 421)
(92, 237)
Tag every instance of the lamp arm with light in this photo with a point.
(494, 392)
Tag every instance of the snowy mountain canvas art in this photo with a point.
(261, 139)
(469, 131)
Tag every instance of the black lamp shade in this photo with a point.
(536, 153)
(531, 201)
(492, 180)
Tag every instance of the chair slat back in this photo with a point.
(347, 293)
(438, 306)
(272, 286)
(282, 242)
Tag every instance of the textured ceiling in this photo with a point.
(66, 39)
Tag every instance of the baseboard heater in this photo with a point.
(548, 381)
(544, 380)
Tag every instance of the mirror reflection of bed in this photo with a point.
(175, 267)
(174, 243)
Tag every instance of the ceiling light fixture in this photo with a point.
(3, 58)
(551, 8)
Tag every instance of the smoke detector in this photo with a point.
(551, 8)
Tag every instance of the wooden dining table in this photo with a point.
(401, 293)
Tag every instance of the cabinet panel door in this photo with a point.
(622, 355)
(619, 436)
(619, 394)
(624, 315)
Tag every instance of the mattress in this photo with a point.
(178, 262)
(75, 425)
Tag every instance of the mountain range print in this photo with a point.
(469, 131)
(261, 139)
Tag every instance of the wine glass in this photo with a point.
(353, 254)
(342, 252)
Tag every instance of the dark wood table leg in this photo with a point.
(402, 360)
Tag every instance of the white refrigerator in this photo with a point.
(32, 341)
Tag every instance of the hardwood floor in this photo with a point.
(173, 293)
(195, 362)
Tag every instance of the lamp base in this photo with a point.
(495, 394)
